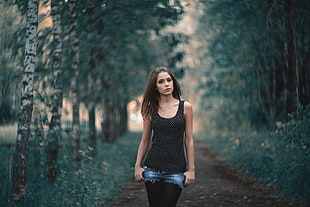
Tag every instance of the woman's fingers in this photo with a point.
(189, 181)
(138, 174)
(189, 178)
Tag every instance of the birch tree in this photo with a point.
(55, 123)
(25, 113)
(73, 83)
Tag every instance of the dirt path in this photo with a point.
(217, 185)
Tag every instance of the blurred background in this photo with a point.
(71, 124)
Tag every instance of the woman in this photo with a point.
(165, 166)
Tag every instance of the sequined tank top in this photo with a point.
(167, 148)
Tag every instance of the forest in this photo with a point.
(71, 70)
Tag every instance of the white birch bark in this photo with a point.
(25, 113)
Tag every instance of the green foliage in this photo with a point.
(121, 35)
(94, 182)
(279, 158)
(256, 87)
(259, 55)
(11, 42)
(124, 35)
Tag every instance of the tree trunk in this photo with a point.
(55, 125)
(92, 127)
(124, 116)
(105, 122)
(25, 113)
(108, 121)
(292, 73)
(74, 86)
(91, 79)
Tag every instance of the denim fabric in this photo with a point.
(154, 175)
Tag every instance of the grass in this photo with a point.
(279, 158)
(94, 182)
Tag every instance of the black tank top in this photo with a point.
(167, 148)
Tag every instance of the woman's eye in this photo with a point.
(169, 80)
(161, 81)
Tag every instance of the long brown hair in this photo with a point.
(151, 95)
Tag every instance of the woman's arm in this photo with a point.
(189, 144)
(143, 147)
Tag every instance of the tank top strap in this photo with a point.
(181, 107)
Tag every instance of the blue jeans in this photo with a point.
(167, 177)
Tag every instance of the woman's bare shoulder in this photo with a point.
(187, 105)
(188, 109)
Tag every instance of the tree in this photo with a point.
(74, 81)
(262, 45)
(23, 133)
(55, 123)
(91, 104)
(11, 53)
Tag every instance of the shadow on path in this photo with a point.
(216, 185)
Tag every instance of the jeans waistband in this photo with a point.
(152, 175)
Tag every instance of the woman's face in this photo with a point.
(164, 83)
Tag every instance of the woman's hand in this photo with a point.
(189, 177)
(138, 173)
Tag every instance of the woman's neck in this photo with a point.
(167, 99)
